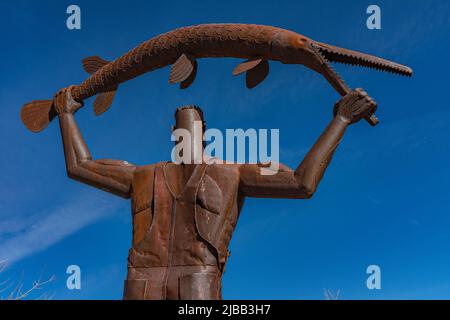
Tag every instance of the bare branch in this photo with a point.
(37, 285)
(2, 265)
(17, 292)
(329, 295)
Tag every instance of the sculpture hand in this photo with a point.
(64, 103)
(355, 106)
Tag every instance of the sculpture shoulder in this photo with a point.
(223, 169)
(239, 169)
(112, 162)
(143, 176)
(148, 167)
(271, 168)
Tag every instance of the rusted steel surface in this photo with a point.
(244, 41)
(182, 47)
(184, 214)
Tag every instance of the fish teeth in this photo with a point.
(338, 56)
(337, 81)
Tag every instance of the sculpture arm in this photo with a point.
(109, 175)
(303, 182)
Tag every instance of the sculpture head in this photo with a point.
(188, 131)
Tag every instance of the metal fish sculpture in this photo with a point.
(181, 48)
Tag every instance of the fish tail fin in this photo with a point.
(37, 114)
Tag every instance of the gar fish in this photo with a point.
(181, 48)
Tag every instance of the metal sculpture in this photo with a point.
(184, 214)
(180, 48)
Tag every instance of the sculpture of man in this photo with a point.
(184, 214)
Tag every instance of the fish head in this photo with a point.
(294, 48)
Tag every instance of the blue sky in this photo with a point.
(384, 199)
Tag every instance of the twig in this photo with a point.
(330, 296)
(37, 285)
(16, 293)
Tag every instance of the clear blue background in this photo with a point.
(384, 199)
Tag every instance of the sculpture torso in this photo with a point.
(183, 219)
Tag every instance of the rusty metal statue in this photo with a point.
(180, 48)
(184, 214)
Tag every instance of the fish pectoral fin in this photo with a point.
(257, 75)
(92, 64)
(104, 100)
(256, 69)
(183, 71)
(246, 66)
(187, 83)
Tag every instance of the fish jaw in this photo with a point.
(298, 49)
(293, 48)
(346, 56)
(327, 53)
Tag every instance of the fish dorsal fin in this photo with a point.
(257, 75)
(183, 71)
(92, 64)
(246, 66)
(256, 69)
(104, 100)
